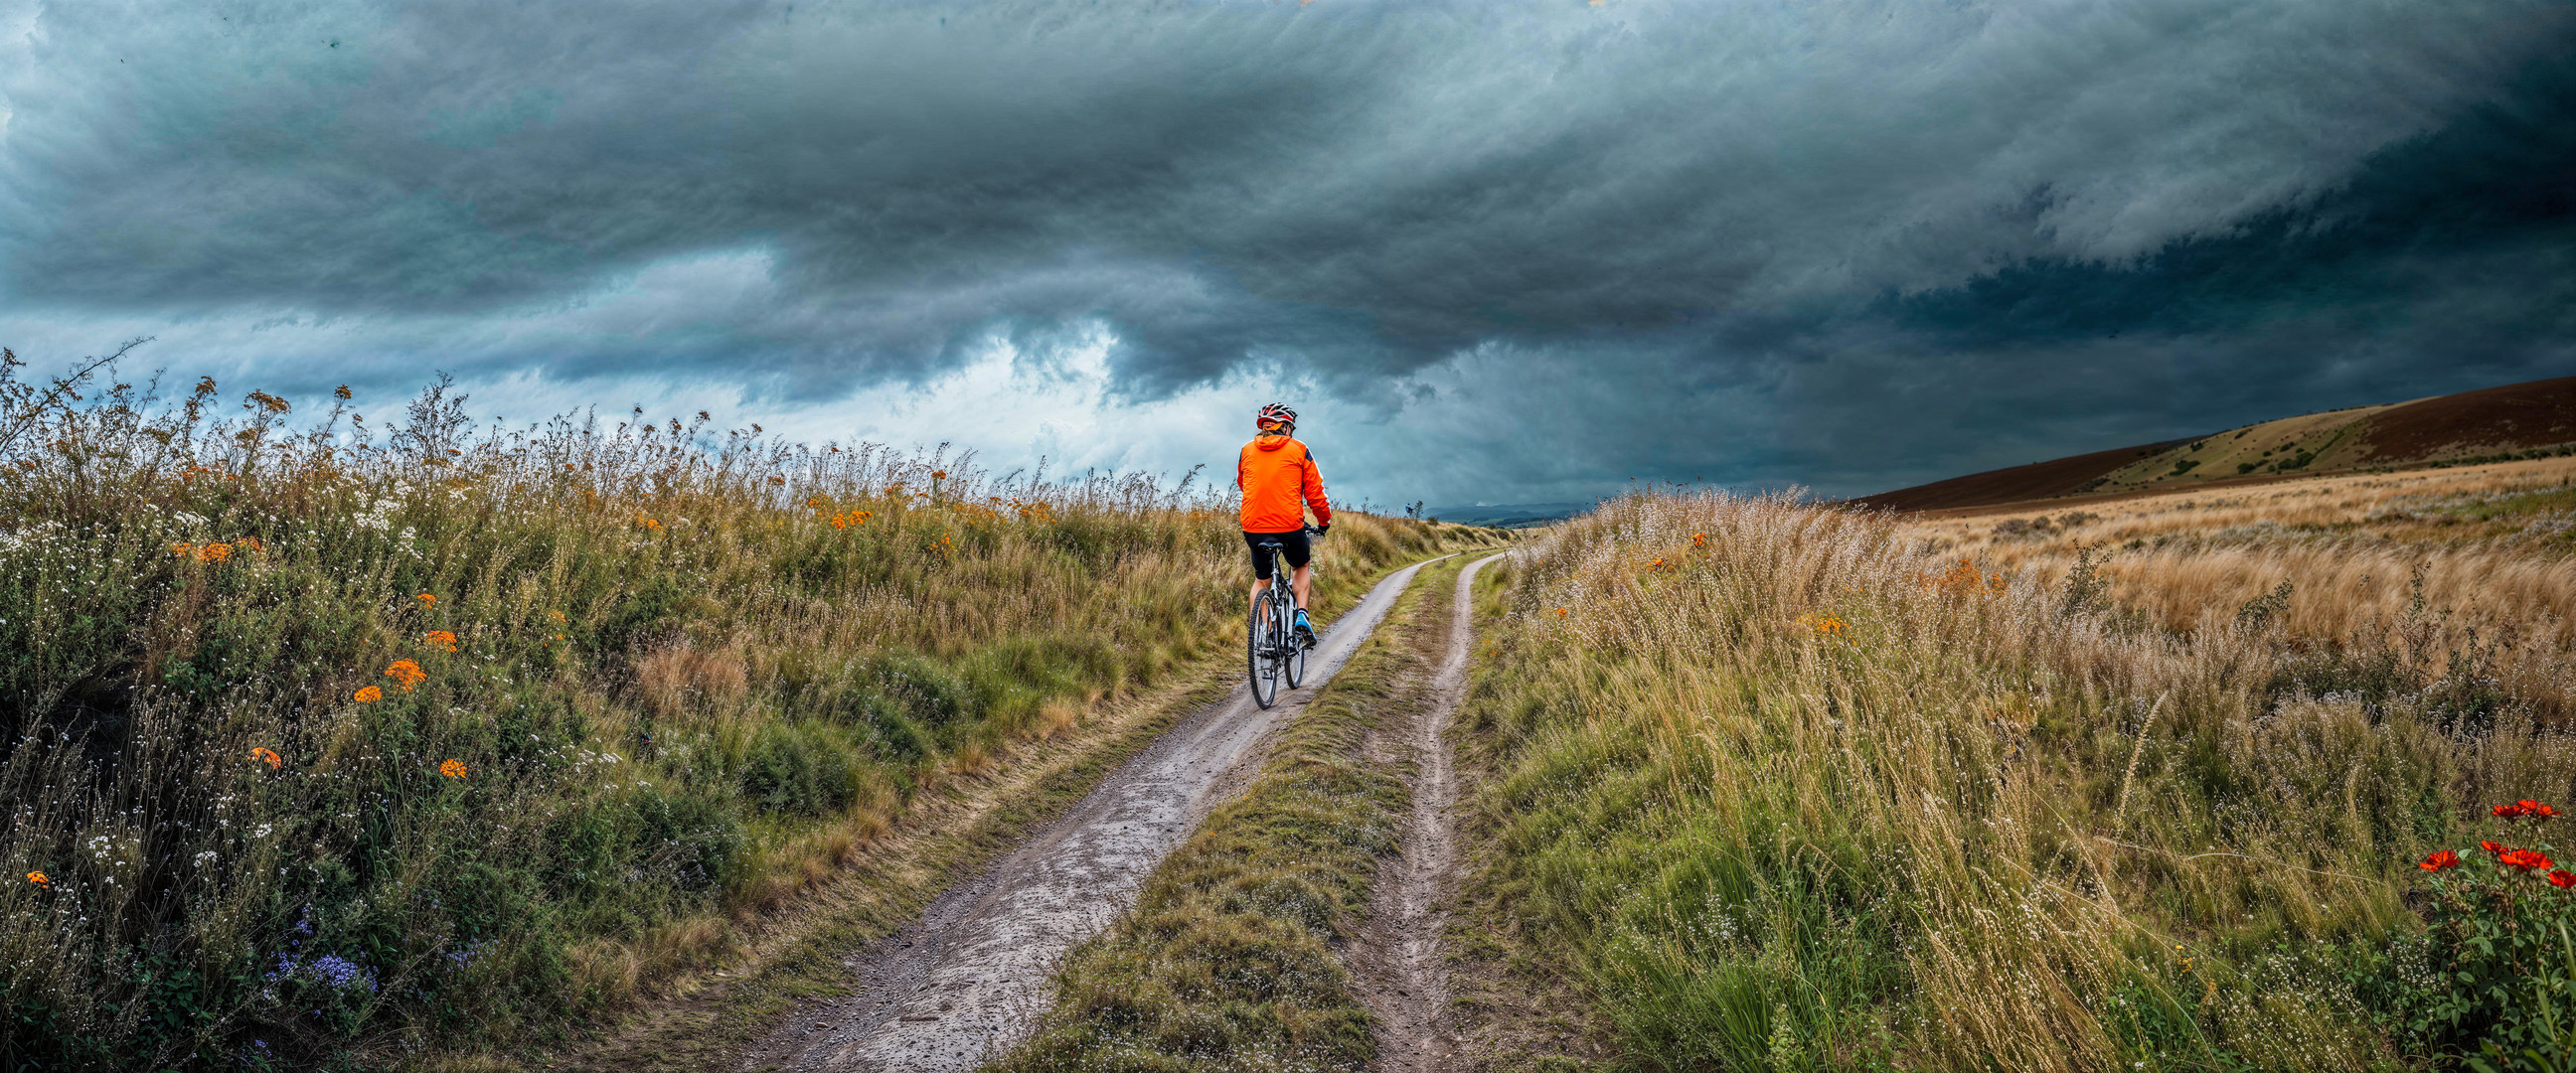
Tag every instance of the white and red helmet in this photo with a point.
(1274, 413)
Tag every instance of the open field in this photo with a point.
(2489, 549)
(325, 745)
(1798, 787)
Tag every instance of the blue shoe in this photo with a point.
(1305, 629)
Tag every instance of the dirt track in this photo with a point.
(968, 979)
(1398, 963)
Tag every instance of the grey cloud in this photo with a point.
(1828, 241)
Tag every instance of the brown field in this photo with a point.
(2491, 544)
(2472, 426)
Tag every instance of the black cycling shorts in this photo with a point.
(1291, 544)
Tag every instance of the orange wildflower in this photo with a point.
(1699, 540)
(2521, 809)
(215, 553)
(249, 544)
(2492, 847)
(369, 695)
(454, 769)
(183, 550)
(938, 474)
(2439, 861)
(405, 674)
(2524, 859)
(267, 756)
(427, 601)
(39, 878)
(440, 637)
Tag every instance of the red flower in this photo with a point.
(2561, 879)
(2439, 861)
(2507, 812)
(2492, 847)
(2524, 859)
(2537, 811)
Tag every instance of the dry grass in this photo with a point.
(1802, 790)
(2492, 546)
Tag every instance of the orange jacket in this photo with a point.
(1275, 473)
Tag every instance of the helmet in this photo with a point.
(1274, 412)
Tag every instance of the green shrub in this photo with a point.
(2493, 966)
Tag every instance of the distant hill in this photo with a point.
(1508, 515)
(2515, 420)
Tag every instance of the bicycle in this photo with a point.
(1271, 648)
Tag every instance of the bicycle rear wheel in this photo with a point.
(1294, 663)
(1260, 649)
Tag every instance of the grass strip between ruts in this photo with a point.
(1227, 962)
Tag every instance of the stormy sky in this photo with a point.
(1494, 251)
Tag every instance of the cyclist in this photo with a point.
(1279, 481)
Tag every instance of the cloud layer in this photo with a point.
(1520, 251)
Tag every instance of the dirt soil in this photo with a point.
(967, 980)
(1399, 964)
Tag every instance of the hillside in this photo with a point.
(2516, 420)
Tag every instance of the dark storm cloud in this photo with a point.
(1850, 243)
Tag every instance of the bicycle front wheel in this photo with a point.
(1260, 650)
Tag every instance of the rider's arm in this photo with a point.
(1313, 482)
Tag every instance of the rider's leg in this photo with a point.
(1255, 599)
(1300, 581)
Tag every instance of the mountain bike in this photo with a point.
(1271, 648)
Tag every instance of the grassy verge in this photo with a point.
(1793, 794)
(324, 746)
(1227, 962)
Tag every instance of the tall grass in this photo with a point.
(2494, 545)
(680, 674)
(1804, 795)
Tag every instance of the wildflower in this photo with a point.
(2525, 809)
(268, 756)
(2439, 861)
(215, 553)
(2560, 878)
(427, 601)
(1561, 612)
(440, 637)
(2492, 847)
(369, 695)
(183, 550)
(2524, 859)
(647, 524)
(406, 674)
(42, 880)
(340, 392)
(1824, 625)
(249, 544)
(1699, 540)
(558, 616)
(938, 474)
(454, 769)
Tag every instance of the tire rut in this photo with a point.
(1399, 963)
(969, 979)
